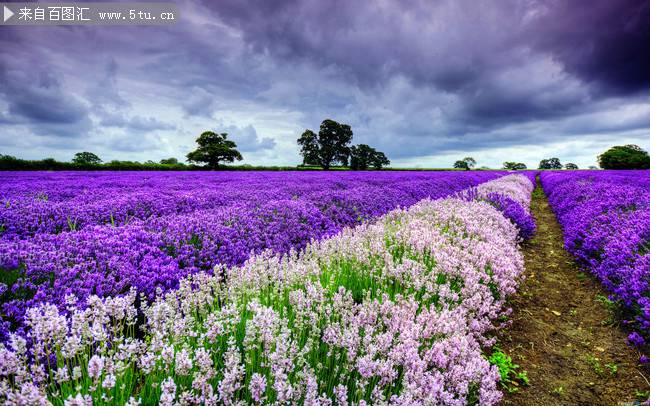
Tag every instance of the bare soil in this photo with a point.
(562, 332)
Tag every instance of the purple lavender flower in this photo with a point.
(514, 212)
(635, 339)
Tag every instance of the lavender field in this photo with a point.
(222, 288)
(292, 287)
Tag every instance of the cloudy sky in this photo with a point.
(427, 82)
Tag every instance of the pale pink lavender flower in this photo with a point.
(168, 392)
(183, 363)
(61, 375)
(76, 373)
(78, 400)
(167, 355)
(233, 374)
(341, 395)
(95, 367)
(109, 381)
(203, 361)
(133, 402)
(257, 387)
(27, 394)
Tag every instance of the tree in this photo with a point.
(333, 140)
(514, 166)
(308, 142)
(169, 161)
(360, 156)
(461, 165)
(570, 166)
(471, 162)
(466, 163)
(363, 156)
(593, 167)
(380, 160)
(86, 158)
(330, 146)
(550, 163)
(624, 157)
(214, 148)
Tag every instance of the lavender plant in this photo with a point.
(390, 312)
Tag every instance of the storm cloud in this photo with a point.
(423, 81)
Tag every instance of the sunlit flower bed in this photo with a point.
(391, 312)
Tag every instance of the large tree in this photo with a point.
(624, 157)
(308, 142)
(471, 162)
(466, 163)
(169, 161)
(213, 149)
(363, 156)
(570, 166)
(86, 158)
(330, 146)
(514, 166)
(379, 160)
(550, 163)
(461, 165)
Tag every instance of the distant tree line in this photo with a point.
(327, 149)
(331, 146)
(11, 163)
(212, 150)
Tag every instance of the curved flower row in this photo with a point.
(511, 195)
(393, 312)
(249, 213)
(606, 220)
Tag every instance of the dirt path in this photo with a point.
(560, 332)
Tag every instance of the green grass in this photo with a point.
(595, 365)
(511, 377)
(613, 369)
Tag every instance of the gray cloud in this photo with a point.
(247, 139)
(128, 143)
(199, 102)
(103, 92)
(606, 43)
(37, 99)
(415, 79)
(134, 123)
